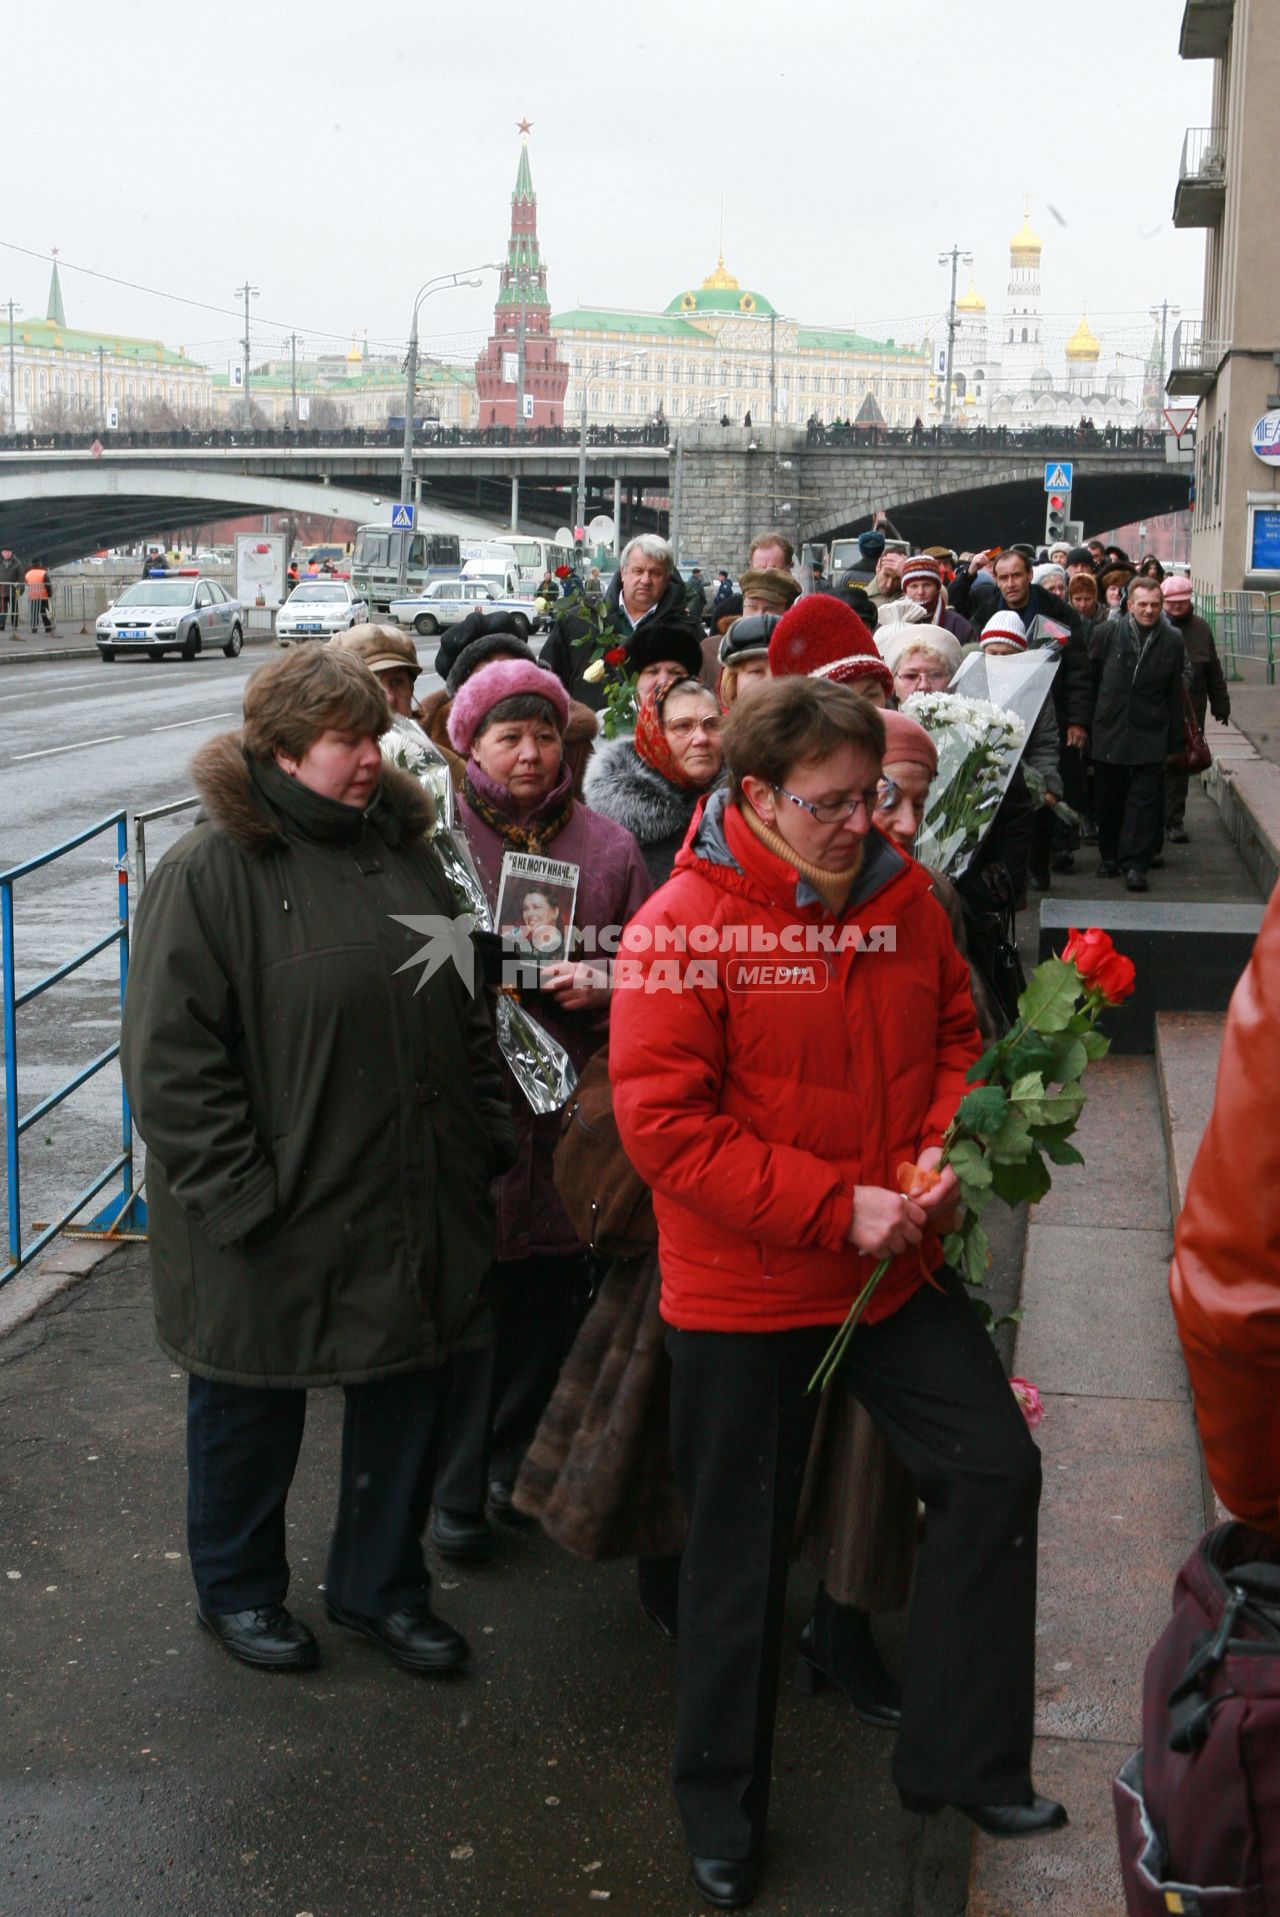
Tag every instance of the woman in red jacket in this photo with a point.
(790, 1022)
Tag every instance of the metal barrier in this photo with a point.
(126, 1210)
(141, 820)
(1245, 626)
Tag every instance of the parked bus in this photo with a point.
(375, 563)
(536, 557)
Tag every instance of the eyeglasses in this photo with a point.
(685, 728)
(829, 811)
(927, 676)
(888, 792)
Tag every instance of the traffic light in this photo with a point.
(1057, 514)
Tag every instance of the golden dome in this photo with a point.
(1025, 247)
(1084, 343)
(353, 353)
(720, 281)
(972, 301)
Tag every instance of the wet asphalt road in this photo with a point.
(145, 1774)
(78, 740)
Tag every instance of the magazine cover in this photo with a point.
(536, 901)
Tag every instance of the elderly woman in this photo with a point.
(322, 1123)
(769, 1123)
(507, 724)
(921, 659)
(652, 784)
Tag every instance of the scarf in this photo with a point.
(833, 888)
(489, 800)
(652, 746)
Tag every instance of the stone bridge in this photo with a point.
(60, 500)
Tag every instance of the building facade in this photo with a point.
(55, 377)
(520, 376)
(722, 351)
(345, 389)
(1230, 360)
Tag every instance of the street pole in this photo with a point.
(955, 256)
(246, 293)
(1162, 313)
(436, 285)
(582, 457)
(13, 378)
(293, 375)
(102, 390)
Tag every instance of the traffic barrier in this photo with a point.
(1245, 627)
(126, 1211)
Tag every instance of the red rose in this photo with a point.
(1087, 951)
(615, 656)
(1114, 978)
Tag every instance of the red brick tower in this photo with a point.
(522, 303)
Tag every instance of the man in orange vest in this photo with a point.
(39, 592)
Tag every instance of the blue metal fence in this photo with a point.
(126, 1210)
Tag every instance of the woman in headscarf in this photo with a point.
(652, 783)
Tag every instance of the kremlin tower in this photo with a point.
(522, 317)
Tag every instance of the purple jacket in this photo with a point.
(613, 883)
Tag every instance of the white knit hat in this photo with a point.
(1005, 629)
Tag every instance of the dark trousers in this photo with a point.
(242, 1451)
(499, 1395)
(1130, 800)
(741, 1420)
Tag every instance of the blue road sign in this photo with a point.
(402, 516)
(1057, 475)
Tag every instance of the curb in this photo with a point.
(91, 651)
(68, 1264)
(1245, 788)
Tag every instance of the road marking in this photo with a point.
(208, 719)
(108, 738)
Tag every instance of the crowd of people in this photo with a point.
(351, 1185)
(31, 582)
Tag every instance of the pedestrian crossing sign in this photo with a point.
(1057, 476)
(402, 516)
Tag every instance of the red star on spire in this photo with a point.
(525, 127)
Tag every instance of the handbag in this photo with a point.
(1198, 1807)
(608, 1203)
(1195, 755)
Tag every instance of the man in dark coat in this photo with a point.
(10, 588)
(1138, 663)
(323, 1121)
(1208, 689)
(645, 587)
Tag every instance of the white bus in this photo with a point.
(536, 557)
(375, 563)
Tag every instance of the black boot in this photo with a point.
(836, 1645)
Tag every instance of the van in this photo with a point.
(494, 561)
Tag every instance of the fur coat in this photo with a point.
(655, 812)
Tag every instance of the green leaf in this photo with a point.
(1057, 1108)
(981, 1067)
(1030, 1087)
(1070, 1057)
(968, 1161)
(976, 1252)
(983, 1111)
(1051, 997)
(953, 1250)
(1096, 1044)
(1022, 1182)
(1012, 1142)
(983, 1312)
(1032, 1053)
(1060, 1153)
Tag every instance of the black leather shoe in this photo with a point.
(501, 1507)
(1038, 881)
(417, 1639)
(1135, 879)
(268, 1637)
(836, 1647)
(726, 1882)
(460, 1537)
(1108, 869)
(1036, 1818)
(1177, 835)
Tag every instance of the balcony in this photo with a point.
(1195, 361)
(1201, 191)
(1206, 29)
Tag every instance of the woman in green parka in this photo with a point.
(323, 1118)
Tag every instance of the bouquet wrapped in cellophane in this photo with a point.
(539, 1064)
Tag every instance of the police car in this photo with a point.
(446, 601)
(317, 608)
(187, 615)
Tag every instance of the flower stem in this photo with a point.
(836, 1349)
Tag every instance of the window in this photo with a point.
(1024, 336)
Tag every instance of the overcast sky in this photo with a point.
(338, 155)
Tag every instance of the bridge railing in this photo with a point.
(1084, 436)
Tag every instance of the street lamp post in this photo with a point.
(469, 277)
(588, 379)
(13, 307)
(955, 256)
(246, 293)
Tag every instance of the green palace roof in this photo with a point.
(45, 336)
(723, 299)
(837, 340)
(597, 319)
